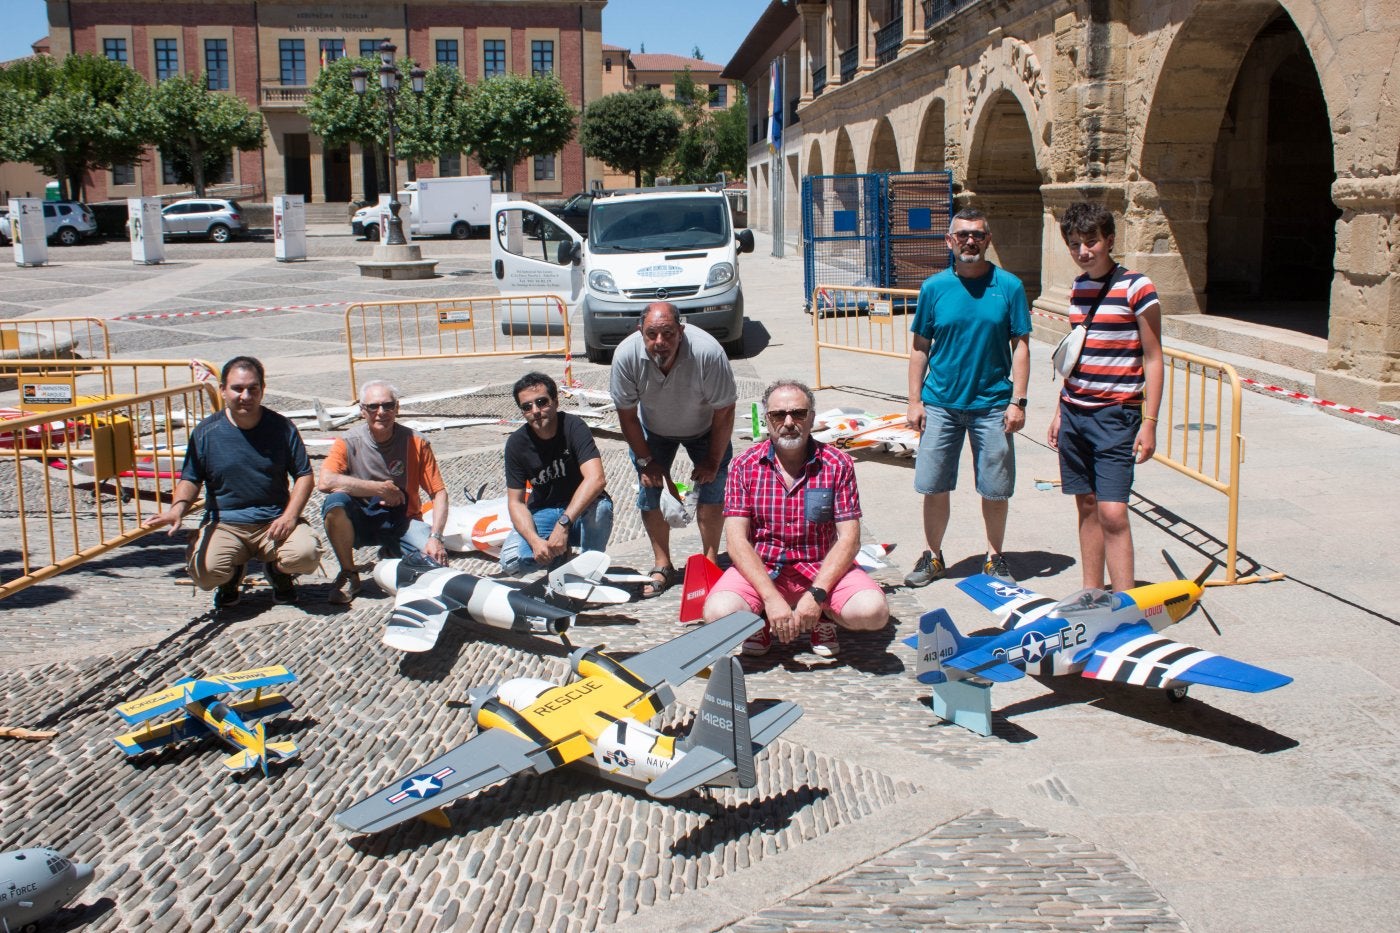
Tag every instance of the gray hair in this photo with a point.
(379, 384)
(790, 384)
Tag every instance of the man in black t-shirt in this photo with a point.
(567, 501)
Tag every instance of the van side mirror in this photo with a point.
(745, 240)
(570, 252)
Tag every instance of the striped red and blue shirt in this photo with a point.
(778, 525)
(1110, 367)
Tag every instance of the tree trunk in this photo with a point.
(197, 166)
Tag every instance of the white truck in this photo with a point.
(675, 244)
(455, 207)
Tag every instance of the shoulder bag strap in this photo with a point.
(1094, 309)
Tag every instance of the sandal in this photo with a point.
(669, 577)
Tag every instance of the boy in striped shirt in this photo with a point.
(1106, 422)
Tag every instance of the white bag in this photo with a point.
(671, 509)
(1066, 355)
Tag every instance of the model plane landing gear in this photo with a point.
(1176, 694)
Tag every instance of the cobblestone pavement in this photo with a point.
(867, 813)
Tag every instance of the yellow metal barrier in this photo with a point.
(117, 376)
(85, 477)
(56, 338)
(1201, 410)
(873, 321)
(455, 329)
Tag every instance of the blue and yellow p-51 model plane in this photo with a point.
(600, 720)
(1100, 635)
(203, 718)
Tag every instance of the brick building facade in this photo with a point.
(269, 53)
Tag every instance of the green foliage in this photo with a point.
(83, 115)
(340, 116)
(633, 131)
(510, 118)
(197, 128)
(710, 142)
(431, 125)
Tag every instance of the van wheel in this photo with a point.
(461, 231)
(67, 236)
(372, 233)
(598, 355)
(220, 234)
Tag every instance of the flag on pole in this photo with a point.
(775, 98)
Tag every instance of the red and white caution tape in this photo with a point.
(173, 314)
(1322, 402)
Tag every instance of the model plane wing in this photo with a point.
(154, 704)
(160, 735)
(479, 762)
(417, 619)
(684, 657)
(255, 678)
(1137, 655)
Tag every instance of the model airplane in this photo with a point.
(1101, 635)
(202, 717)
(478, 525)
(599, 720)
(36, 882)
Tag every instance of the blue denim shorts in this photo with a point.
(1096, 450)
(663, 450)
(940, 447)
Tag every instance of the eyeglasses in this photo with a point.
(798, 415)
(379, 406)
(541, 403)
(978, 235)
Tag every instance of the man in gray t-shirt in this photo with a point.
(673, 387)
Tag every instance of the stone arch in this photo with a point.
(1004, 180)
(884, 149)
(814, 158)
(844, 161)
(931, 153)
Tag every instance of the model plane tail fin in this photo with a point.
(937, 641)
(719, 748)
(701, 574)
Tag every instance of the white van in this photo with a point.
(675, 244)
(455, 207)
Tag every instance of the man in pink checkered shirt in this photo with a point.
(792, 524)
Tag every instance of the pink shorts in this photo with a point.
(792, 585)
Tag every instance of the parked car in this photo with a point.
(4, 226)
(213, 218)
(574, 211)
(67, 222)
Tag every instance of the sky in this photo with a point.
(675, 26)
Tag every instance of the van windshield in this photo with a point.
(632, 225)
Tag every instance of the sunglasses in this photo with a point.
(379, 406)
(541, 403)
(798, 415)
(978, 235)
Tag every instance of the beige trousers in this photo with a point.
(222, 547)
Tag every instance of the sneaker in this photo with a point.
(228, 594)
(824, 643)
(926, 569)
(344, 588)
(283, 590)
(995, 566)
(757, 644)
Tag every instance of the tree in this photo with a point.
(69, 119)
(632, 131)
(431, 125)
(710, 142)
(510, 117)
(198, 128)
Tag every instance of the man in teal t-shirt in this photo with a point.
(968, 371)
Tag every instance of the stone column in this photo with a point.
(865, 59)
(812, 54)
(1363, 343)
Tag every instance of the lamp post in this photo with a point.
(389, 83)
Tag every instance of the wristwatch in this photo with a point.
(821, 596)
(643, 462)
(565, 521)
(435, 536)
(1021, 402)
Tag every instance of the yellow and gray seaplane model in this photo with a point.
(600, 720)
(203, 718)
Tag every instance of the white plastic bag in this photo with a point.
(1066, 355)
(671, 509)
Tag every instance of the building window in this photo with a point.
(450, 166)
(216, 64)
(167, 171)
(493, 57)
(167, 58)
(542, 58)
(292, 53)
(544, 168)
(226, 176)
(607, 65)
(332, 50)
(115, 50)
(653, 87)
(123, 175)
(369, 48)
(719, 95)
(447, 53)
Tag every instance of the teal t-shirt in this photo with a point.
(970, 324)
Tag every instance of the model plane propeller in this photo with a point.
(201, 717)
(599, 720)
(1094, 633)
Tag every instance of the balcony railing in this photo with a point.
(849, 61)
(887, 40)
(284, 96)
(818, 80)
(936, 11)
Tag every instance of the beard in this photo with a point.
(789, 442)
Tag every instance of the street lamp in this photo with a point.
(389, 83)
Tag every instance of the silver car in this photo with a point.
(66, 222)
(212, 218)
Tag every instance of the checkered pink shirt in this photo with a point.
(778, 526)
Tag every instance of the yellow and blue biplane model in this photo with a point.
(600, 720)
(202, 718)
